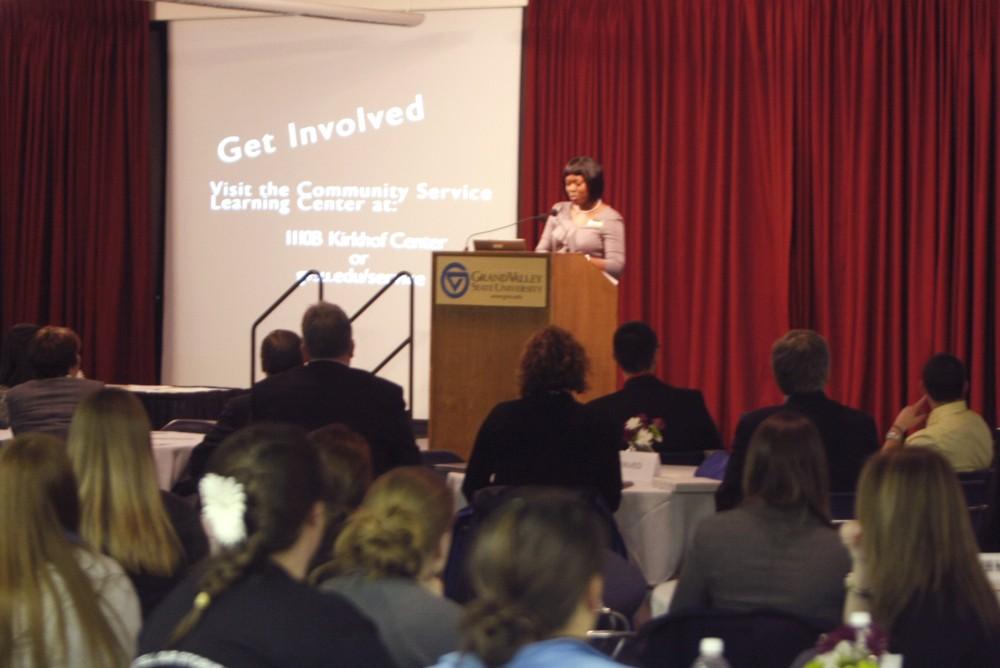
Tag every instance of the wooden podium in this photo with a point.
(485, 306)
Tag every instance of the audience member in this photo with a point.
(539, 439)
(688, 430)
(625, 587)
(388, 560)
(14, 365)
(248, 606)
(328, 390)
(958, 433)
(800, 361)
(536, 567)
(777, 550)
(153, 534)
(280, 351)
(63, 604)
(46, 403)
(916, 563)
(347, 469)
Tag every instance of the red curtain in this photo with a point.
(75, 240)
(831, 164)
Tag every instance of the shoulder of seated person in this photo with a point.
(920, 437)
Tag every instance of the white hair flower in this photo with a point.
(223, 504)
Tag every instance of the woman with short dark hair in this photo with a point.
(585, 224)
(539, 439)
(777, 550)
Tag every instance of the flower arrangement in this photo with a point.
(841, 648)
(641, 433)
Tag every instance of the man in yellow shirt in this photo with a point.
(958, 433)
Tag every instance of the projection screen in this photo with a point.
(349, 148)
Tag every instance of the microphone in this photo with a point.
(541, 216)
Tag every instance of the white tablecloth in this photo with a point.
(656, 521)
(171, 450)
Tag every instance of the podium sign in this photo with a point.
(485, 306)
(481, 280)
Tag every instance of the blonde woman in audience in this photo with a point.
(61, 603)
(154, 535)
(916, 566)
(536, 569)
(388, 559)
(263, 503)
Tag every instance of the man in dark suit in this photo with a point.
(800, 361)
(688, 429)
(326, 389)
(46, 404)
(280, 351)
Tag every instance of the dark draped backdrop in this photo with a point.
(75, 229)
(780, 163)
(830, 164)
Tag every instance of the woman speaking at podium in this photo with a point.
(585, 224)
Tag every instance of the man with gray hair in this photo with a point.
(800, 361)
(327, 389)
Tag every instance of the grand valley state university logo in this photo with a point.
(455, 280)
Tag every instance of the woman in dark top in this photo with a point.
(248, 606)
(916, 564)
(153, 534)
(541, 438)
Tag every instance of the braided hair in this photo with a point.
(280, 475)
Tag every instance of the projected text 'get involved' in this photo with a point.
(234, 148)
